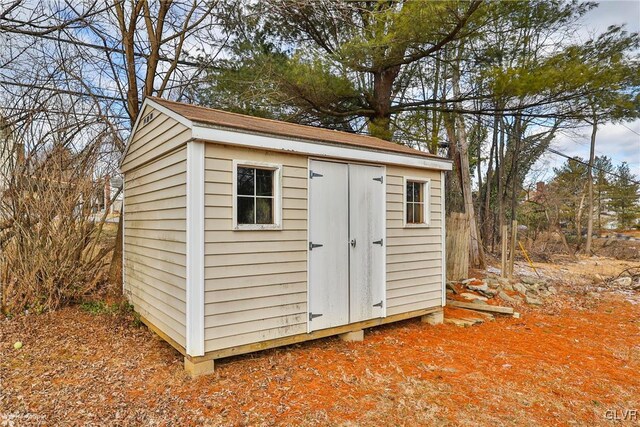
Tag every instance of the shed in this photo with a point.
(243, 233)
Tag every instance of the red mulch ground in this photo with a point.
(566, 367)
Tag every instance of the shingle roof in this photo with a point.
(226, 119)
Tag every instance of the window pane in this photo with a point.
(246, 181)
(409, 191)
(417, 191)
(264, 182)
(418, 213)
(246, 210)
(409, 213)
(264, 210)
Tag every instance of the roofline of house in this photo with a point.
(229, 135)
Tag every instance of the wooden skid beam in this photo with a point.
(481, 307)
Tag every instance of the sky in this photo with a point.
(620, 142)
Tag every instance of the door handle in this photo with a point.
(353, 243)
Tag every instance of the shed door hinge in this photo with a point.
(381, 179)
(313, 174)
(314, 245)
(379, 242)
(313, 316)
(378, 304)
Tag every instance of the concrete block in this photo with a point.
(435, 318)
(196, 369)
(352, 336)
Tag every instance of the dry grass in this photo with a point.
(562, 367)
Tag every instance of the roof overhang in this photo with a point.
(242, 138)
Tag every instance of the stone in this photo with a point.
(552, 290)
(492, 283)
(530, 299)
(504, 281)
(467, 281)
(516, 315)
(482, 288)
(490, 293)
(471, 296)
(198, 368)
(545, 294)
(353, 336)
(507, 286)
(459, 322)
(435, 318)
(505, 297)
(530, 280)
(519, 287)
(623, 281)
(535, 287)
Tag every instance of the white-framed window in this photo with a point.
(417, 192)
(257, 195)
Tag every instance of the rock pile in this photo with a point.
(529, 289)
(629, 280)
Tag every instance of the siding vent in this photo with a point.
(146, 119)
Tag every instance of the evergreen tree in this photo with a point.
(624, 197)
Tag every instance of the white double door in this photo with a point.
(346, 243)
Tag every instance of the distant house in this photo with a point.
(8, 154)
(110, 199)
(243, 233)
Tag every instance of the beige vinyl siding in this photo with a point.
(161, 135)
(155, 226)
(414, 255)
(255, 281)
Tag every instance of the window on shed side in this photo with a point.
(256, 195)
(416, 202)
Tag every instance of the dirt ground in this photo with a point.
(575, 361)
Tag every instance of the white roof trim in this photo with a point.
(164, 110)
(299, 146)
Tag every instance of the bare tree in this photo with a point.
(103, 58)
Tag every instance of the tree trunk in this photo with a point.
(592, 154)
(380, 122)
(455, 202)
(514, 167)
(486, 224)
(500, 179)
(475, 245)
(579, 218)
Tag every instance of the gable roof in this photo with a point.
(225, 119)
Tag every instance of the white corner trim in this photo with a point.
(426, 206)
(324, 150)
(124, 247)
(384, 240)
(195, 249)
(443, 217)
(277, 196)
(164, 110)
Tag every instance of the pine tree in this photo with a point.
(625, 194)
